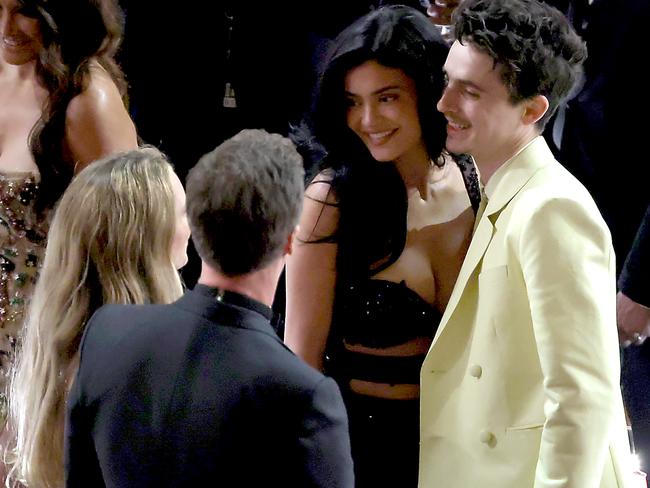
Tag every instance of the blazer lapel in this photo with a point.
(480, 241)
(500, 190)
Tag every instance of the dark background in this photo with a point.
(175, 57)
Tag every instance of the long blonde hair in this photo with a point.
(109, 242)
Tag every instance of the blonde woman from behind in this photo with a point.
(119, 235)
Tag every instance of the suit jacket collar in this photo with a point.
(502, 187)
(234, 310)
(235, 298)
(506, 182)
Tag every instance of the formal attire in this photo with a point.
(384, 433)
(520, 386)
(603, 125)
(375, 315)
(22, 245)
(635, 277)
(200, 392)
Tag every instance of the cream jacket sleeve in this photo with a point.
(568, 266)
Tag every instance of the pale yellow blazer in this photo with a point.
(521, 385)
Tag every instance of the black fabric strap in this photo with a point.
(393, 370)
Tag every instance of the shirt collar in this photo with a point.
(236, 299)
(498, 174)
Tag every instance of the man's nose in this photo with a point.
(446, 102)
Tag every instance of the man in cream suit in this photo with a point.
(520, 387)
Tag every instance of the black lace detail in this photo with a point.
(470, 176)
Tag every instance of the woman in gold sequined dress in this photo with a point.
(62, 107)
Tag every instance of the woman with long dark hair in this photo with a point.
(386, 223)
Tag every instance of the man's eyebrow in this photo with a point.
(469, 84)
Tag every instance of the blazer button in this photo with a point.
(487, 437)
(475, 370)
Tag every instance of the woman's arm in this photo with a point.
(97, 122)
(311, 276)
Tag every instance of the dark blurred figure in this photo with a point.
(440, 13)
(239, 65)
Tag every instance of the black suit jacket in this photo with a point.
(606, 125)
(635, 277)
(199, 393)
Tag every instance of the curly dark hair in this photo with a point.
(371, 196)
(534, 43)
(74, 33)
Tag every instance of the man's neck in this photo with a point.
(489, 164)
(259, 285)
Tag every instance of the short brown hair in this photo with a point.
(243, 200)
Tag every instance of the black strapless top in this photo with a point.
(380, 314)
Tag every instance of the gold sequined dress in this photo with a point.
(22, 246)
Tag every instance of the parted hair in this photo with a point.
(243, 200)
(536, 47)
(110, 242)
(75, 34)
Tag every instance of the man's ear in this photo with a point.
(288, 247)
(534, 109)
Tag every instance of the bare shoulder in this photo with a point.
(320, 211)
(99, 95)
(97, 122)
(320, 188)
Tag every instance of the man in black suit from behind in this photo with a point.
(202, 392)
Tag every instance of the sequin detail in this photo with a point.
(22, 245)
(380, 313)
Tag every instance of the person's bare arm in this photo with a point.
(311, 276)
